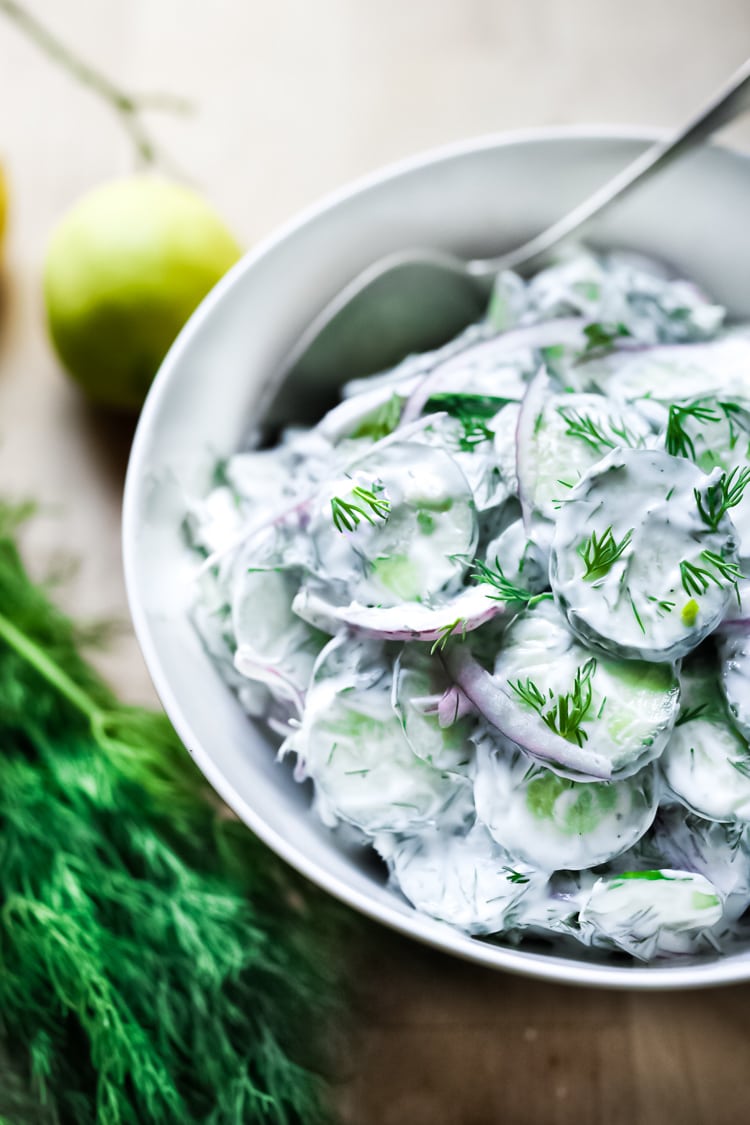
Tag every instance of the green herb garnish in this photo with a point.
(662, 607)
(564, 714)
(447, 631)
(697, 579)
(677, 440)
(476, 406)
(602, 337)
(601, 552)
(721, 496)
(514, 876)
(595, 433)
(738, 418)
(347, 515)
(691, 713)
(507, 591)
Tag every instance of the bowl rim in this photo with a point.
(439, 936)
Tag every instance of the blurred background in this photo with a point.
(290, 100)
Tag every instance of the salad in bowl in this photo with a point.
(495, 607)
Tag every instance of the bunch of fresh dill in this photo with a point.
(157, 963)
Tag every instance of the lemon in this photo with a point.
(125, 268)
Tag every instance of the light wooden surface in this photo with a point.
(293, 98)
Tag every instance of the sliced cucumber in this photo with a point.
(713, 431)
(398, 528)
(466, 879)
(554, 908)
(419, 683)
(634, 566)
(667, 374)
(353, 746)
(630, 707)
(652, 913)
(734, 654)
(560, 437)
(553, 822)
(520, 559)
(483, 449)
(720, 852)
(707, 766)
(273, 646)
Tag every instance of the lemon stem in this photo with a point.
(128, 107)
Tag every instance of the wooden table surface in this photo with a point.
(291, 99)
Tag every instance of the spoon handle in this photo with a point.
(731, 100)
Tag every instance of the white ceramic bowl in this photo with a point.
(477, 199)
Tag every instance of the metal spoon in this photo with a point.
(419, 298)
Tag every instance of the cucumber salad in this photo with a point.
(495, 606)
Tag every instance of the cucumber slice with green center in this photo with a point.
(482, 445)
(399, 528)
(626, 710)
(713, 431)
(353, 746)
(563, 435)
(274, 646)
(551, 821)
(635, 566)
(466, 880)
(734, 655)
(520, 559)
(651, 913)
(666, 374)
(707, 766)
(720, 852)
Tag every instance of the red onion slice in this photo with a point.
(525, 728)
(409, 621)
(453, 705)
(562, 331)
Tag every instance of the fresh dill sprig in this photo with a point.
(738, 418)
(507, 591)
(514, 876)
(677, 440)
(564, 713)
(473, 412)
(691, 713)
(601, 552)
(601, 338)
(742, 765)
(636, 614)
(719, 498)
(476, 406)
(594, 433)
(347, 515)
(662, 607)
(475, 432)
(697, 579)
(445, 633)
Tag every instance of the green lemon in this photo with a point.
(125, 268)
